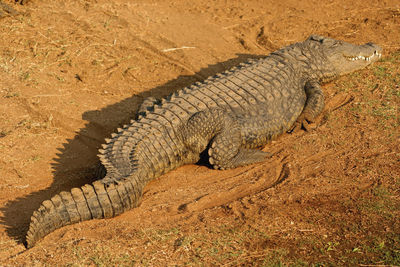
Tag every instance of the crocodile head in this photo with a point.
(342, 58)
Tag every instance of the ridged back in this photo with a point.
(270, 87)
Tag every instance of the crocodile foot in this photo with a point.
(304, 121)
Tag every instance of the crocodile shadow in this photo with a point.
(87, 141)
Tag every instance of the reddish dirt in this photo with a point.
(73, 71)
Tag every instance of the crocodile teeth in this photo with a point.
(377, 54)
(360, 57)
(366, 58)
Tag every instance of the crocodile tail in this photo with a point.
(91, 201)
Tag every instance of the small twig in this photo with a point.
(230, 26)
(22, 186)
(177, 48)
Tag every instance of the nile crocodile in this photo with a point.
(228, 116)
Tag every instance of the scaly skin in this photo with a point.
(230, 115)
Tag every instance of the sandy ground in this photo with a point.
(73, 71)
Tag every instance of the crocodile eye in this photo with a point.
(316, 38)
(330, 42)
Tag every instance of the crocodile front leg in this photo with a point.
(312, 108)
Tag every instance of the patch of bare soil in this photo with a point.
(73, 71)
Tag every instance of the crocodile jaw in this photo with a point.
(341, 58)
(374, 57)
(346, 58)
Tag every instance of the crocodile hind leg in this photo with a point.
(223, 155)
(312, 108)
(220, 131)
(226, 150)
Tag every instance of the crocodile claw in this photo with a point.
(304, 121)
